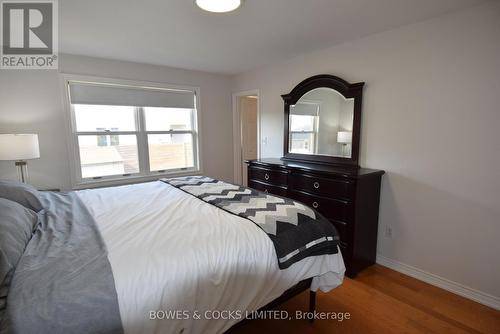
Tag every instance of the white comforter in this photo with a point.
(171, 251)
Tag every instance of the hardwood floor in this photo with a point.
(381, 300)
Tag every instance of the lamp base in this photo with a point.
(22, 170)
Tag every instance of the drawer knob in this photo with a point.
(315, 205)
(266, 176)
(316, 185)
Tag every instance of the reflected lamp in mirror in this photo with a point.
(344, 138)
(19, 148)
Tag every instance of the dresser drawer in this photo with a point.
(267, 188)
(267, 175)
(332, 209)
(321, 186)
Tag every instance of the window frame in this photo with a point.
(145, 132)
(144, 174)
(313, 133)
(315, 130)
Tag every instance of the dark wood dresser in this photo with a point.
(348, 197)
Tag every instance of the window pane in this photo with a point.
(99, 118)
(302, 143)
(302, 122)
(108, 155)
(170, 151)
(165, 119)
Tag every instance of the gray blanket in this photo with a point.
(63, 282)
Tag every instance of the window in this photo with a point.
(123, 131)
(170, 142)
(304, 119)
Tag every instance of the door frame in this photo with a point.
(237, 149)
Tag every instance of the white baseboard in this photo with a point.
(443, 283)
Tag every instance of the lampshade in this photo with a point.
(344, 137)
(19, 146)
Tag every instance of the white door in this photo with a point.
(248, 117)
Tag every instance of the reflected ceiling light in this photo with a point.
(219, 6)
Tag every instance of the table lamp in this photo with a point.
(344, 138)
(19, 148)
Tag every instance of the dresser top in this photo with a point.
(312, 167)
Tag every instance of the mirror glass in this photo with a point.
(321, 123)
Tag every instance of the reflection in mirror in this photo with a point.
(321, 123)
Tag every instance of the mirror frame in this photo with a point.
(347, 90)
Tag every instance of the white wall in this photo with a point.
(31, 101)
(431, 118)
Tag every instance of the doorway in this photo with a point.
(246, 132)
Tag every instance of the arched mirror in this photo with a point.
(322, 121)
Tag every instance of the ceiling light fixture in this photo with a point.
(219, 6)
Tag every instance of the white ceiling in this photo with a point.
(176, 33)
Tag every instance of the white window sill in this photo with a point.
(118, 181)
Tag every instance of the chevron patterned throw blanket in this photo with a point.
(296, 230)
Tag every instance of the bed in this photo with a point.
(148, 258)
